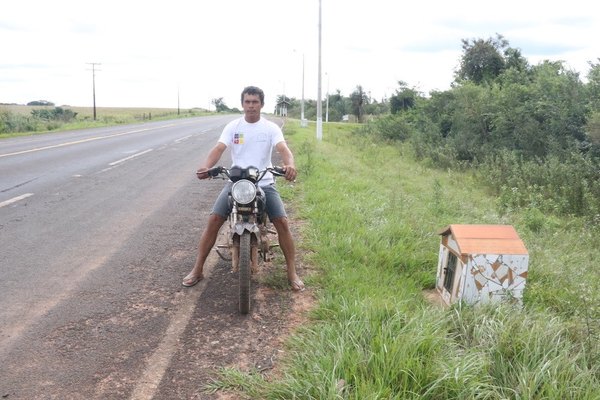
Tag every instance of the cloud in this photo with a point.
(150, 51)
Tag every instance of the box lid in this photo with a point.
(485, 239)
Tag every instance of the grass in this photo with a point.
(20, 116)
(372, 215)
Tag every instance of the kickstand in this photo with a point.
(224, 258)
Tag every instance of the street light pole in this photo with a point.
(319, 104)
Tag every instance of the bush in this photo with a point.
(11, 123)
(564, 186)
(56, 114)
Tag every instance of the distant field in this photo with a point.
(18, 120)
(114, 112)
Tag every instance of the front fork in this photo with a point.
(235, 253)
(259, 239)
(261, 248)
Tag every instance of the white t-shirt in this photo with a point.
(252, 144)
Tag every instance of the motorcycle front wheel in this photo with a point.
(245, 274)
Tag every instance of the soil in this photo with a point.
(123, 327)
(120, 337)
(218, 336)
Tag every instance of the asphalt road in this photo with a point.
(97, 229)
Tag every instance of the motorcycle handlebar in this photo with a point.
(279, 171)
(216, 171)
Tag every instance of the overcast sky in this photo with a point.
(152, 53)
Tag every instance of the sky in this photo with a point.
(187, 52)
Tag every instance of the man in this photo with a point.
(251, 139)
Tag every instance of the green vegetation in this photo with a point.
(531, 133)
(373, 212)
(509, 143)
(359, 105)
(16, 120)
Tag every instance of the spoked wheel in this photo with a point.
(245, 274)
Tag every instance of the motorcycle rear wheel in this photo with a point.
(245, 273)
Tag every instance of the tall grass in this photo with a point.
(567, 185)
(372, 220)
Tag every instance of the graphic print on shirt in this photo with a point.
(238, 138)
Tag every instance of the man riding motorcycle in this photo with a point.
(251, 139)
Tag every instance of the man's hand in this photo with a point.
(290, 172)
(202, 173)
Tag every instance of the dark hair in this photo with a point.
(254, 91)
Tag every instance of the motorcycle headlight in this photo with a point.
(243, 191)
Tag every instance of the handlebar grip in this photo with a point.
(278, 171)
(214, 172)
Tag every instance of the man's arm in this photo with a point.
(213, 157)
(288, 160)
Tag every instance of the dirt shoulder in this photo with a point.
(217, 336)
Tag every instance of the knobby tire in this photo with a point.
(245, 274)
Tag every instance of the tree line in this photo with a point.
(531, 132)
(359, 104)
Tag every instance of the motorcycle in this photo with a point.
(248, 236)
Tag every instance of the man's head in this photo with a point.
(253, 99)
(253, 90)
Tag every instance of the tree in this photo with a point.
(377, 108)
(40, 103)
(359, 99)
(593, 85)
(338, 106)
(482, 60)
(535, 113)
(471, 128)
(404, 98)
(593, 90)
(220, 105)
(515, 60)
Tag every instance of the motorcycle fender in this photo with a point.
(239, 228)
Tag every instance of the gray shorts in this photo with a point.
(275, 208)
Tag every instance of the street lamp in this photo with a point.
(319, 104)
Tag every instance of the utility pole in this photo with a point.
(94, 85)
(319, 103)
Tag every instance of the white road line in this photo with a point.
(112, 164)
(183, 138)
(84, 140)
(15, 199)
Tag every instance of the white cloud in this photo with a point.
(152, 50)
